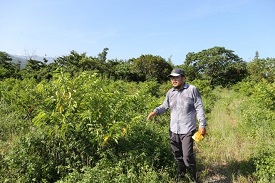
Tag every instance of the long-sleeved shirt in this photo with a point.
(185, 106)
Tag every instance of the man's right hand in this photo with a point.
(152, 114)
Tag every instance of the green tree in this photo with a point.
(34, 65)
(149, 67)
(190, 72)
(259, 69)
(219, 65)
(7, 67)
(102, 57)
(124, 70)
(72, 62)
(78, 62)
(256, 55)
(34, 69)
(118, 69)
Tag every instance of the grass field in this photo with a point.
(224, 155)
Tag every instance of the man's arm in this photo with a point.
(200, 112)
(161, 109)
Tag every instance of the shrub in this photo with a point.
(265, 169)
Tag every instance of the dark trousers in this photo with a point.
(182, 147)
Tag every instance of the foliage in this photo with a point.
(135, 159)
(36, 69)
(209, 98)
(190, 72)
(76, 62)
(121, 70)
(245, 88)
(257, 124)
(117, 174)
(78, 119)
(149, 67)
(7, 67)
(217, 64)
(78, 122)
(265, 169)
(259, 69)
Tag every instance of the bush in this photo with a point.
(265, 169)
(257, 123)
(83, 122)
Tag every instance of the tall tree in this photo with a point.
(124, 70)
(221, 66)
(262, 69)
(102, 57)
(256, 55)
(149, 67)
(7, 67)
(70, 63)
(33, 69)
(75, 62)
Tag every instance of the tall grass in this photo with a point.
(225, 155)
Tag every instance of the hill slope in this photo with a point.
(23, 59)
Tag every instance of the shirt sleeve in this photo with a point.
(199, 108)
(164, 106)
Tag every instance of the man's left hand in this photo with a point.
(202, 131)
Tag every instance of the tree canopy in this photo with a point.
(262, 69)
(219, 65)
(7, 67)
(149, 67)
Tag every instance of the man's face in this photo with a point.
(177, 81)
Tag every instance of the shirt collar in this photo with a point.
(185, 86)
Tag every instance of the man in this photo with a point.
(185, 104)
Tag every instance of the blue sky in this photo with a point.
(130, 28)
